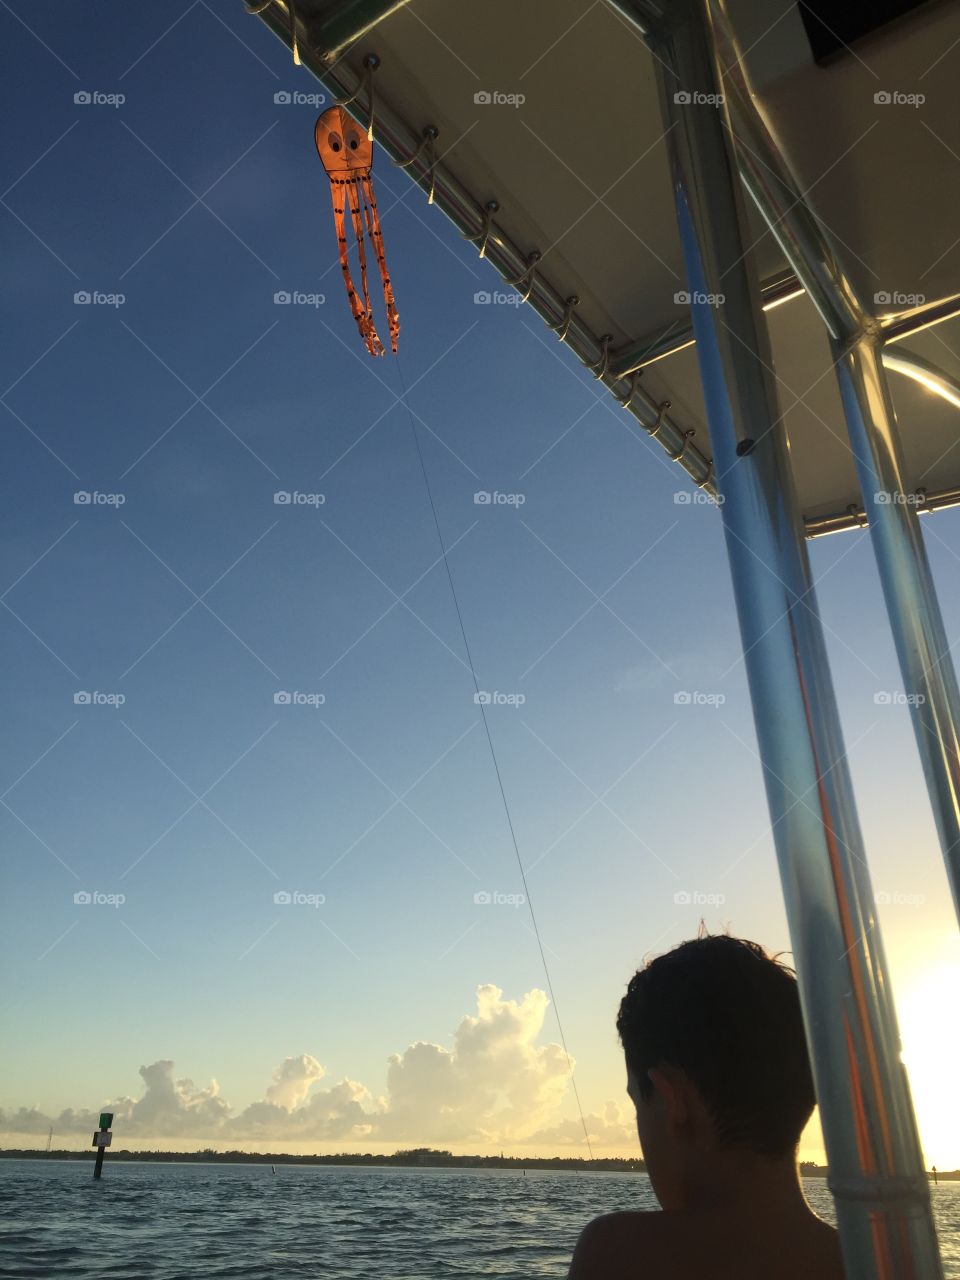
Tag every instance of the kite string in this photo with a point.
(493, 754)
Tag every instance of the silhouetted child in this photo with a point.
(718, 1070)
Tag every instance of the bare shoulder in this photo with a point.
(654, 1245)
(610, 1247)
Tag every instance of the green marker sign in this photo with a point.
(106, 1119)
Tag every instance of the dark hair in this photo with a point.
(728, 1015)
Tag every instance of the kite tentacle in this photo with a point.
(338, 193)
(372, 338)
(376, 237)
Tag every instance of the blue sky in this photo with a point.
(198, 598)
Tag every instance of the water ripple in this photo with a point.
(241, 1222)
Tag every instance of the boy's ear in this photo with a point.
(668, 1084)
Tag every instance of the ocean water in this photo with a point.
(212, 1221)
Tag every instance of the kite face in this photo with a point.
(347, 155)
(343, 146)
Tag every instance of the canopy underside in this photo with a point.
(550, 108)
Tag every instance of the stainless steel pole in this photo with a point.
(920, 318)
(912, 606)
(877, 1175)
(348, 22)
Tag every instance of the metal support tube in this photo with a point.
(928, 374)
(920, 318)
(911, 597)
(877, 1175)
(915, 619)
(349, 21)
(855, 517)
(781, 288)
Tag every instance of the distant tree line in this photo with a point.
(810, 1170)
(422, 1157)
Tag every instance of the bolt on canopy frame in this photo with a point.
(716, 137)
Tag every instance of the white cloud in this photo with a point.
(172, 1107)
(614, 1128)
(494, 1084)
(292, 1080)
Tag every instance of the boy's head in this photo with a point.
(716, 1054)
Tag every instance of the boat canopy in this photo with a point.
(565, 169)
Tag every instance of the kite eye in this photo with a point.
(336, 143)
(354, 142)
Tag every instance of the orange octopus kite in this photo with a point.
(347, 155)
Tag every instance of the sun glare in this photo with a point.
(930, 1031)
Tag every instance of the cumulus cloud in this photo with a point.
(339, 1112)
(612, 1128)
(495, 1083)
(173, 1107)
(292, 1080)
